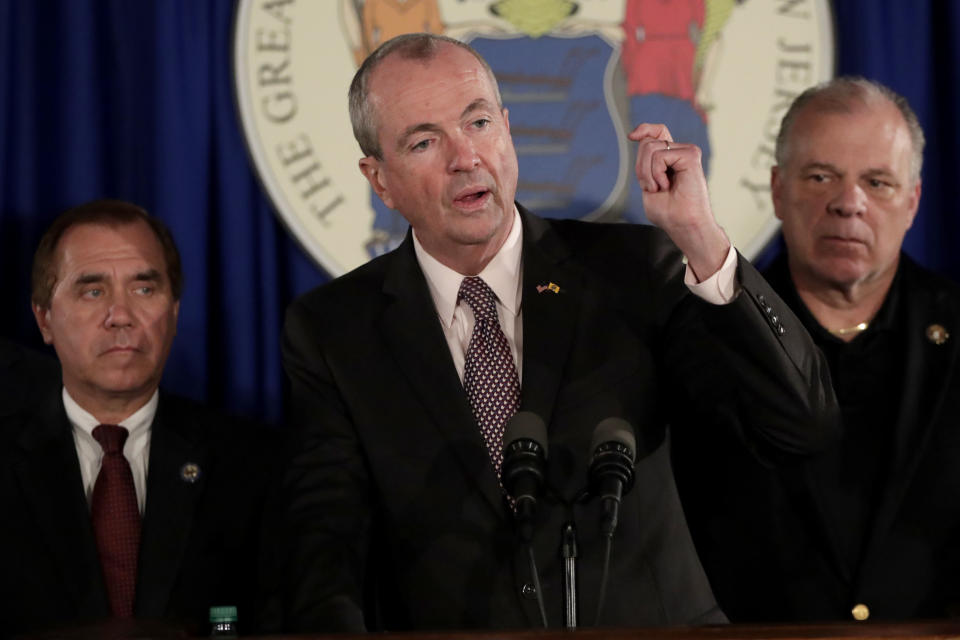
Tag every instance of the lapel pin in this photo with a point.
(937, 334)
(548, 287)
(190, 472)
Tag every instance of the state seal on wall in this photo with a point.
(576, 77)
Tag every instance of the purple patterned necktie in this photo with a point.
(489, 375)
(116, 520)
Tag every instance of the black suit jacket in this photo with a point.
(199, 539)
(395, 519)
(26, 376)
(770, 539)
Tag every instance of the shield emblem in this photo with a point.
(570, 144)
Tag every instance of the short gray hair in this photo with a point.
(411, 46)
(837, 95)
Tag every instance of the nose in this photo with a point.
(849, 201)
(463, 154)
(119, 314)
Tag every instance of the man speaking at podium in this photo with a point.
(395, 516)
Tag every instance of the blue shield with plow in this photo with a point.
(570, 143)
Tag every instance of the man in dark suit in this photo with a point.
(402, 375)
(869, 529)
(118, 500)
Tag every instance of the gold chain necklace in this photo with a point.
(857, 328)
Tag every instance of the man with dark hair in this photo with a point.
(404, 372)
(118, 500)
(869, 529)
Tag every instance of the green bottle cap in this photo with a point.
(223, 614)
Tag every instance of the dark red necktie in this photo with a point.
(489, 374)
(116, 520)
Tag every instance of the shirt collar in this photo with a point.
(886, 318)
(137, 422)
(502, 275)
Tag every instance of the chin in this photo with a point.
(844, 277)
(127, 382)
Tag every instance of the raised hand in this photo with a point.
(675, 197)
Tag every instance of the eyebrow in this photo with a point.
(871, 172)
(151, 275)
(479, 103)
(148, 275)
(89, 278)
(821, 165)
(409, 132)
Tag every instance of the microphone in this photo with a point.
(524, 459)
(611, 469)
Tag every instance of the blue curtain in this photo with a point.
(133, 100)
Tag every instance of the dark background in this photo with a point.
(133, 99)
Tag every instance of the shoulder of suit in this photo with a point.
(209, 421)
(620, 252)
(350, 288)
(920, 280)
(607, 235)
(26, 377)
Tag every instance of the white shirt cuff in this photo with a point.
(721, 287)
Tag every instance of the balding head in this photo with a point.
(410, 46)
(847, 94)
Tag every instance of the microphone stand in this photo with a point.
(568, 548)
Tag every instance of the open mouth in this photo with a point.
(472, 198)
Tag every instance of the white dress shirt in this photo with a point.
(136, 449)
(504, 275)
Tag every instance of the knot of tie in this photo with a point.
(480, 297)
(111, 437)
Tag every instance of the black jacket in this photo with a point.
(199, 541)
(394, 517)
(770, 537)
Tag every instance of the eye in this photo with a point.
(818, 178)
(92, 294)
(144, 290)
(422, 145)
(876, 183)
(480, 123)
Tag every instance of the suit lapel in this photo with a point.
(171, 504)
(549, 316)
(50, 478)
(413, 334)
(927, 376)
(803, 482)
(549, 320)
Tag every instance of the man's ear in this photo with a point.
(775, 190)
(506, 118)
(42, 316)
(914, 202)
(372, 170)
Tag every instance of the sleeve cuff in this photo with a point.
(721, 287)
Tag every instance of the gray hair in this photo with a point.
(410, 46)
(837, 95)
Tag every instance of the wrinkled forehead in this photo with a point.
(88, 244)
(874, 129)
(451, 69)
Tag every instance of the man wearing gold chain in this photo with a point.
(871, 528)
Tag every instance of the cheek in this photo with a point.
(161, 324)
(798, 227)
(73, 323)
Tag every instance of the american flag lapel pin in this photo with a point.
(555, 288)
